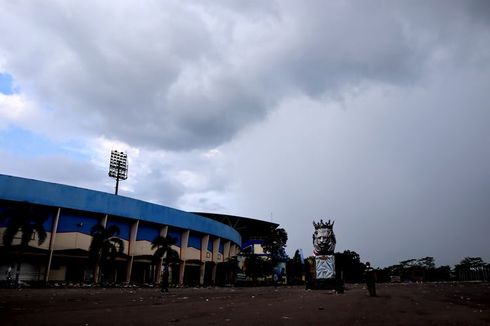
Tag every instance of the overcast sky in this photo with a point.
(374, 114)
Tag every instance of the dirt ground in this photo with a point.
(396, 304)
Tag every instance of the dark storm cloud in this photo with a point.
(404, 174)
(189, 76)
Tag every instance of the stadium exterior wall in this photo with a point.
(203, 244)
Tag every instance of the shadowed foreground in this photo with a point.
(397, 304)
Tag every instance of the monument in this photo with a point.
(325, 273)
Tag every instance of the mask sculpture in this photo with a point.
(324, 238)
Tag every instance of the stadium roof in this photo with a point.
(248, 228)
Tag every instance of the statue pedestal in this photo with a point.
(325, 275)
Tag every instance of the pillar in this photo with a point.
(226, 250)
(204, 250)
(183, 254)
(131, 243)
(215, 258)
(52, 239)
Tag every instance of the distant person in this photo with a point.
(282, 276)
(275, 278)
(9, 273)
(370, 279)
(164, 283)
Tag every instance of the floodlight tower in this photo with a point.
(118, 168)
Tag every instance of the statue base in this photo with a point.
(324, 275)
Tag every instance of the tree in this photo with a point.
(104, 248)
(275, 243)
(231, 268)
(408, 263)
(255, 266)
(274, 246)
(351, 265)
(426, 262)
(29, 221)
(163, 249)
(470, 268)
(472, 263)
(295, 268)
(439, 274)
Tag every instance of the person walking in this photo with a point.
(164, 283)
(370, 279)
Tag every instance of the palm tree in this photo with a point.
(28, 220)
(163, 248)
(104, 248)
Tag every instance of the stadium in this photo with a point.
(205, 242)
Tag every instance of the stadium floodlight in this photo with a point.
(118, 167)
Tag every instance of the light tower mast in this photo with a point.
(118, 167)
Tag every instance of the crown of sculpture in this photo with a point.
(323, 225)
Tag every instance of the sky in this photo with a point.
(372, 114)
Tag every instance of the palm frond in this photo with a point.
(172, 255)
(97, 230)
(118, 244)
(9, 234)
(112, 230)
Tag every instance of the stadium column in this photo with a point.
(131, 244)
(183, 254)
(104, 220)
(204, 250)
(52, 239)
(232, 250)
(163, 233)
(226, 250)
(215, 258)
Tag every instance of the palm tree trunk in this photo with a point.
(19, 262)
(17, 272)
(97, 272)
(158, 271)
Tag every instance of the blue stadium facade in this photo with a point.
(204, 241)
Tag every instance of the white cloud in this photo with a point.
(14, 109)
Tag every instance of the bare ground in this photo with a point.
(396, 304)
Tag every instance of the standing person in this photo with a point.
(9, 276)
(164, 283)
(9, 273)
(370, 279)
